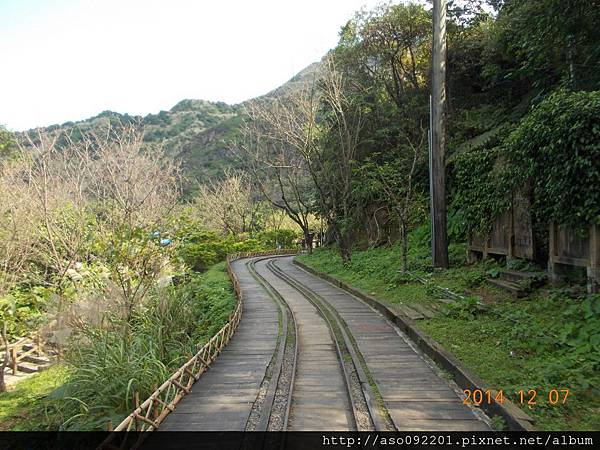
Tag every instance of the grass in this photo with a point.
(106, 366)
(25, 406)
(542, 342)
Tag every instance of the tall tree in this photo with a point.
(385, 55)
(334, 160)
(279, 139)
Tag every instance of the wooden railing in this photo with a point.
(150, 413)
(16, 353)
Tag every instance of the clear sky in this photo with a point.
(67, 60)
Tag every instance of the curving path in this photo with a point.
(222, 399)
(310, 356)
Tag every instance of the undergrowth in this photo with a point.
(549, 340)
(107, 365)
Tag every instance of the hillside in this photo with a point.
(196, 131)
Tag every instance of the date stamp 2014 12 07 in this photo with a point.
(531, 397)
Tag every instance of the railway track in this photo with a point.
(325, 361)
(323, 390)
(275, 410)
(378, 380)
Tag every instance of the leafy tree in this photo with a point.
(284, 238)
(552, 41)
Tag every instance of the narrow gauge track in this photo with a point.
(410, 393)
(273, 412)
(310, 356)
(328, 390)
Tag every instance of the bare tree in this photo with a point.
(57, 179)
(227, 206)
(278, 136)
(134, 187)
(335, 158)
(109, 186)
(136, 181)
(17, 236)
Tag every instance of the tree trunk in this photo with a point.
(571, 62)
(308, 241)
(404, 237)
(5, 359)
(345, 247)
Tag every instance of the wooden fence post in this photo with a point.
(13, 357)
(553, 269)
(155, 412)
(593, 270)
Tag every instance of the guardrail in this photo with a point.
(149, 414)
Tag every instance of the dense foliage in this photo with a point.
(557, 147)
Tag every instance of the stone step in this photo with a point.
(39, 360)
(513, 288)
(404, 310)
(26, 367)
(520, 277)
(427, 312)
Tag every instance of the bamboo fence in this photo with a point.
(148, 415)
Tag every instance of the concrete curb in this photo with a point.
(516, 419)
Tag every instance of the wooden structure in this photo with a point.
(569, 248)
(21, 349)
(511, 234)
(148, 415)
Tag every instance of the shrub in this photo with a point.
(248, 245)
(201, 249)
(557, 147)
(284, 238)
(109, 363)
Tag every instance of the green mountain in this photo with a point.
(197, 132)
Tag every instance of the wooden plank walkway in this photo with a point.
(320, 399)
(223, 397)
(416, 397)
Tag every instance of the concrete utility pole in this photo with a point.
(437, 167)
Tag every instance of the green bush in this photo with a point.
(201, 249)
(248, 245)
(557, 147)
(22, 309)
(272, 238)
(464, 308)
